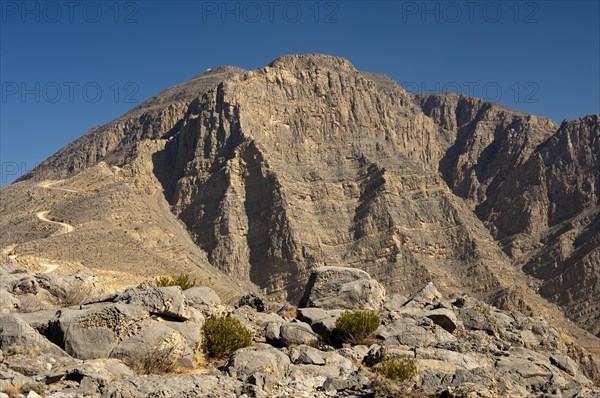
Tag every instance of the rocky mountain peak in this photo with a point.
(262, 176)
(312, 61)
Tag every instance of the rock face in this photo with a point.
(309, 163)
(461, 348)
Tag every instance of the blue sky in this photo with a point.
(67, 66)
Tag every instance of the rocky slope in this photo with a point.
(121, 345)
(308, 162)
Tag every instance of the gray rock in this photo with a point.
(255, 321)
(474, 320)
(307, 356)
(273, 332)
(443, 317)
(426, 296)
(260, 358)
(298, 333)
(201, 297)
(355, 353)
(342, 288)
(94, 331)
(321, 321)
(406, 331)
(165, 301)
(174, 386)
(8, 302)
(394, 302)
(564, 363)
(16, 332)
(101, 371)
(154, 347)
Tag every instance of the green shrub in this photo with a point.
(182, 281)
(357, 327)
(224, 335)
(485, 310)
(397, 369)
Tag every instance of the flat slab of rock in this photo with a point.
(342, 288)
(174, 386)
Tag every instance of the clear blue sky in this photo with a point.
(69, 66)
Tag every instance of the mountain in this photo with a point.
(251, 179)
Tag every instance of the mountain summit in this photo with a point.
(251, 179)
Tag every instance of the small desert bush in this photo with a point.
(356, 327)
(76, 294)
(224, 335)
(485, 310)
(26, 351)
(160, 361)
(184, 281)
(35, 386)
(397, 369)
(11, 389)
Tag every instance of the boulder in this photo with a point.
(154, 348)
(425, 297)
(8, 302)
(101, 371)
(298, 333)
(307, 355)
(260, 358)
(443, 317)
(474, 320)
(16, 332)
(406, 331)
(201, 297)
(94, 331)
(342, 288)
(321, 321)
(169, 302)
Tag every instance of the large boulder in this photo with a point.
(260, 358)
(16, 332)
(155, 348)
(201, 297)
(94, 331)
(342, 288)
(169, 302)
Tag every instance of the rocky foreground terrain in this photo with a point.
(110, 345)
